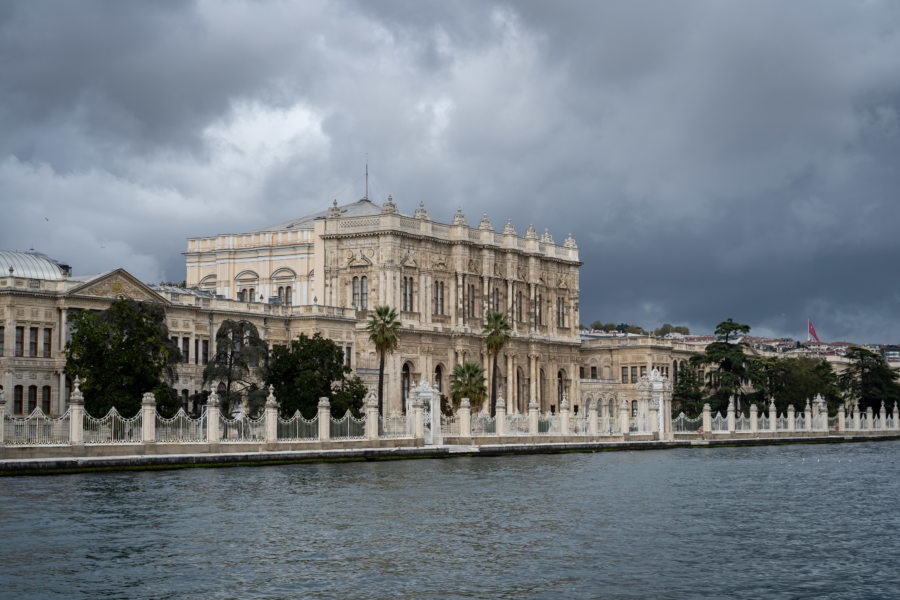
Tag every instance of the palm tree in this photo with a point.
(384, 329)
(468, 382)
(496, 329)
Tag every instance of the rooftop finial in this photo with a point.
(367, 178)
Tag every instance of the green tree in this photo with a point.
(239, 351)
(496, 330)
(308, 369)
(384, 333)
(687, 393)
(869, 380)
(729, 361)
(467, 381)
(120, 354)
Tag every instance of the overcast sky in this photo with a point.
(712, 159)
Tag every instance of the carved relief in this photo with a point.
(439, 265)
(474, 267)
(523, 273)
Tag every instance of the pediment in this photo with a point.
(117, 284)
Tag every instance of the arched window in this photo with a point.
(496, 300)
(560, 387)
(364, 293)
(240, 295)
(252, 295)
(289, 296)
(612, 408)
(519, 306)
(45, 399)
(355, 292)
(281, 294)
(439, 378)
(404, 385)
(18, 392)
(32, 398)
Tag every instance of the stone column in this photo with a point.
(564, 428)
(500, 421)
(464, 414)
(511, 384)
(790, 418)
(418, 419)
(870, 422)
(773, 415)
(754, 419)
(213, 435)
(842, 419)
(593, 424)
(707, 419)
(807, 417)
(372, 420)
(76, 415)
(271, 417)
(856, 423)
(148, 418)
(533, 416)
(324, 419)
(532, 379)
(883, 416)
(625, 417)
(2, 416)
(731, 419)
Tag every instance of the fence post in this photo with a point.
(213, 435)
(372, 418)
(564, 416)
(883, 414)
(896, 417)
(754, 419)
(842, 418)
(148, 418)
(870, 421)
(807, 417)
(593, 425)
(500, 418)
(533, 416)
(773, 415)
(625, 418)
(856, 423)
(464, 414)
(730, 412)
(791, 418)
(271, 417)
(76, 416)
(324, 419)
(418, 418)
(707, 420)
(3, 415)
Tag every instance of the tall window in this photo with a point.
(634, 408)
(519, 306)
(355, 292)
(471, 298)
(17, 399)
(438, 300)
(205, 358)
(196, 351)
(32, 398)
(438, 378)
(560, 312)
(406, 290)
(48, 342)
(634, 377)
(33, 341)
(624, 374)
(20, 341)
(281, 294)
(45, 399)
(348, 352)
(289, 296)
(495, 301)
(593, 372)
(2, 339)
(405, 378)
(240, 296)
(643, 370)
(364, 293)
(252, 295)
(538, 310)
(185, 350)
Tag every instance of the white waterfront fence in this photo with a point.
(517, 424)
(348, 427)
(113, 428)
(181, 428)
(482, 424)
(298, 428)
(37, 429)
(684, 424)
(241, 428)
(394, 426)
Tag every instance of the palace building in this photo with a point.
(324, 273)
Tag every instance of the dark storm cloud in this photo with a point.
(711, 159)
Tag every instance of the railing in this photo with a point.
(37, 429)
(548, 424)
(483, 425)
(348, 427)
(517, 424)
(113, 428)
(579, 425)
(742, 423)
(800, 422)
(719, 424)
(833, 423)
(684, 424)
(764, 423)
(781, 423)
(449, 425)
(181, 428)
(394, 426)
(242, 428)
(606, 426)
(298, 428)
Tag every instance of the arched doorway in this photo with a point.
(560, 387)
(405, 379)
(439, 379)
(520, 390)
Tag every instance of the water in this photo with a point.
(814, 521)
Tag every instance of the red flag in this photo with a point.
(812, 331)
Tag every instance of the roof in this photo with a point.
(33, 265)
(361, 208)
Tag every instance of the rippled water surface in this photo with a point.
(811, 521)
